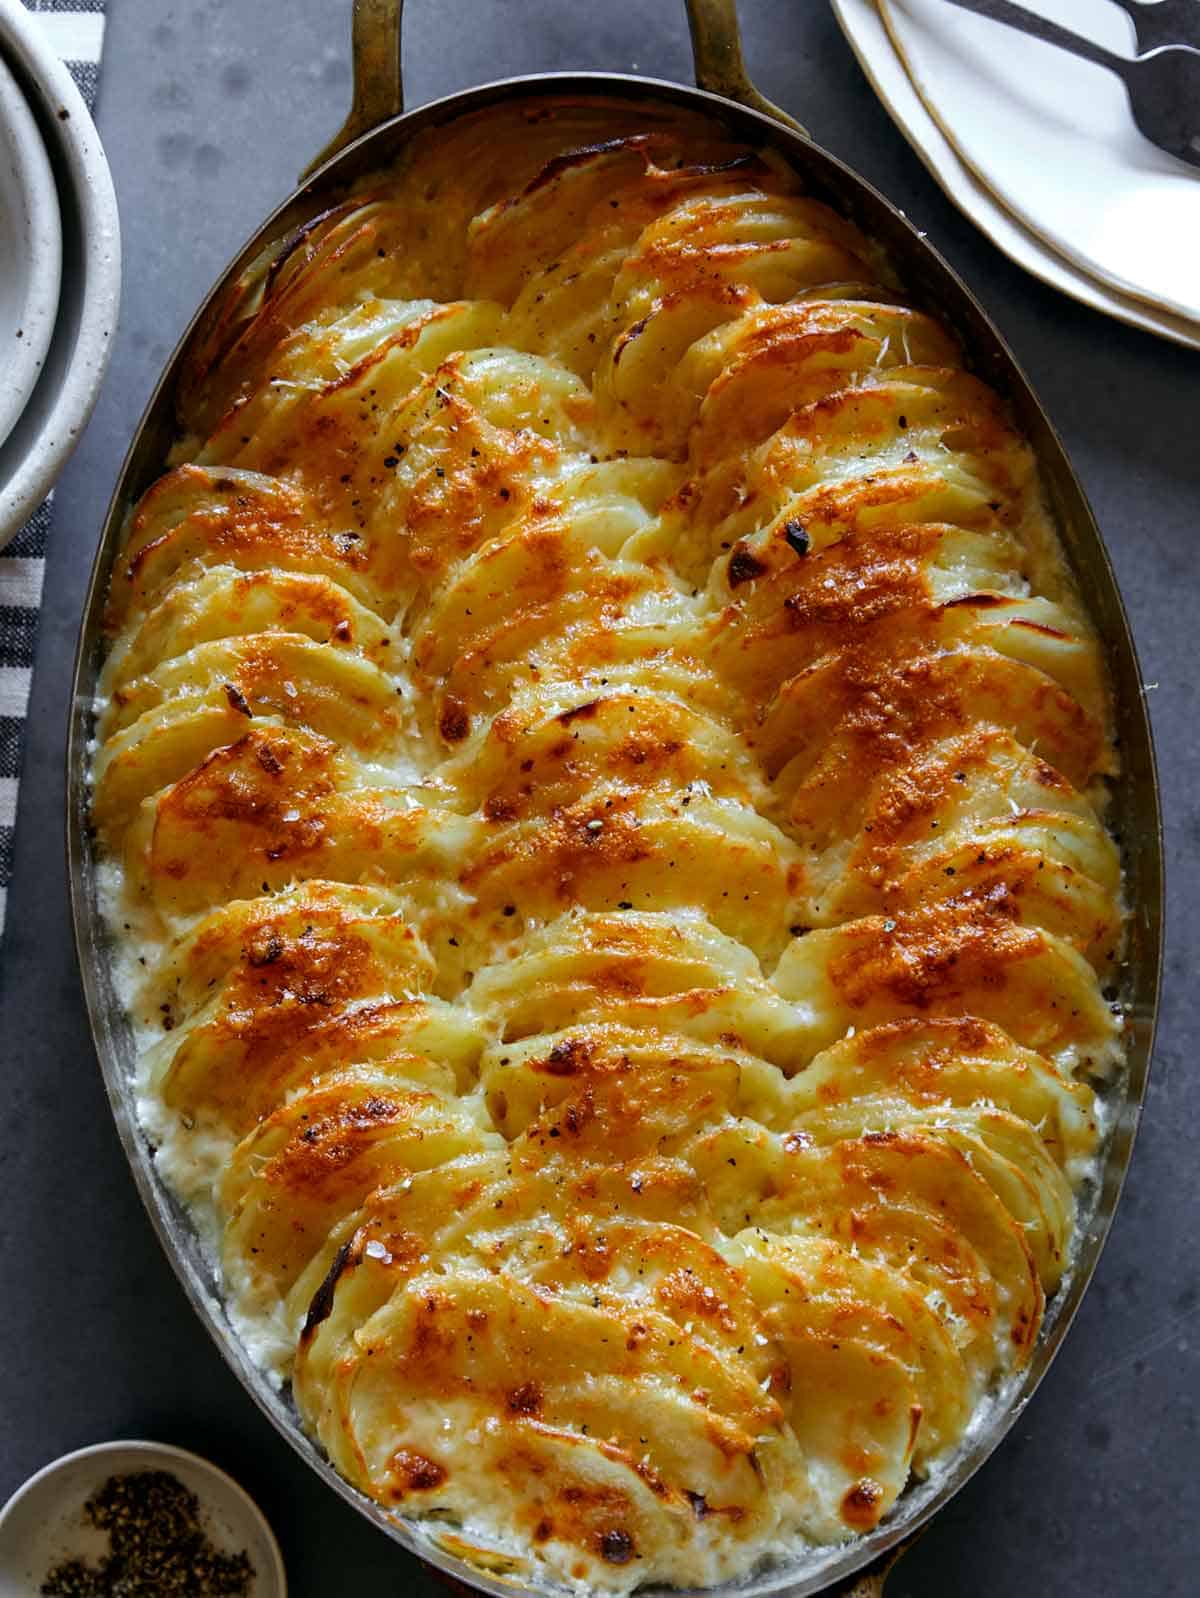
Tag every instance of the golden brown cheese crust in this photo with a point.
(605, 762)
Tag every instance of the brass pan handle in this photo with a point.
(379, 82)
(868, 1583)
(378, 76)
(717, 54)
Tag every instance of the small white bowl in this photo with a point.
(48, 428)
(30, 250)
(42, 1524)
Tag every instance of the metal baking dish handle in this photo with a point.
(717, 55)
(720, 69)
(869, 1583)
(379, 73)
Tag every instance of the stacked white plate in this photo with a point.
(1040, 150)
(60, 265)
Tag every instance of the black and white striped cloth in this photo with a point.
(75, 28)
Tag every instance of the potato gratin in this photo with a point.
(600, 766)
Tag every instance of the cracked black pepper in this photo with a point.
(157, 1546)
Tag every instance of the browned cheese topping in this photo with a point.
(601, 766)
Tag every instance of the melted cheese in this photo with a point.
(602, 762)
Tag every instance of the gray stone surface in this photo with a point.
(208, 110)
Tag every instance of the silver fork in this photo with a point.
(1163, 86)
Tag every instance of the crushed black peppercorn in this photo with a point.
(157, 1546)
(797, 537)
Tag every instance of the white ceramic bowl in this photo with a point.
(43, 1524)
(30, 251)
(48, 428)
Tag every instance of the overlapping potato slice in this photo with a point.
(229, 1069)
(553, 744)
(540, 604)
(262, 810)
(763, 237)
(883, 595)
(223, 602)
(1004, 1150)
(819, 1297)
(872, 435)
(930, 1063)
(967, 955)
(349, 254)
(636, 1400)
(608, 1093)
(264, 995)
(475, 442)
(196, 516)
(289, 675)
(854, 1415)
(331, 930)
(481, 167)
(673, 973)
(591, 1419)
(1023, 862)
(372, 358)
(835, 726)
(910, 1200)
(706, 261)
(299, 1172)
(972, 812)
(555, 250)
(878, 586)
(755, 372)
(626, 848)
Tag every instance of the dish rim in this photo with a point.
(924, 271)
